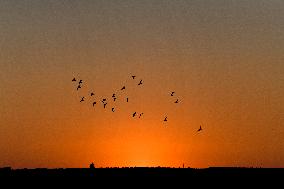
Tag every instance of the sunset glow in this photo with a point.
(223, 59)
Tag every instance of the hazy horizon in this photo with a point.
(224, 59)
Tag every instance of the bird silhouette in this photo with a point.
(200, 129)
(113, 95)
(112, 109)
(123, 88)
(140, 115)
(172, 94)
(81, 81)
(127, 99)
(79, 87)
(94, 103)
(74, 79)
(92, 94)
(176, 101)
(166, 119)
(114, 99)
(105, 105)
(140, 83)
(134, 114)
(103, 100)
(82, 99)
(133, 77)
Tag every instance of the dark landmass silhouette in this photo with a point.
(156, 172)
(146, 177)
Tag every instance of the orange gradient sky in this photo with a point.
(224, 59)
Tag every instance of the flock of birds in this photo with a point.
(114, 98)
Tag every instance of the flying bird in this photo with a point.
(92, 94)
(105, 105)
(112, 109)
(114, 99)
(166, 119)
(113, 96)
(127, 99)
(103, 100)
(133, 77)
(79, 87)
(140, 83)
(172, 94)
(134, 114)
(82, 99)
(94, 103)
(74, 79)
(123, 88)
(176, 101)
(140, 115)
(80, 81)
(200, 129)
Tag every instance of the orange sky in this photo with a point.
(224, 60)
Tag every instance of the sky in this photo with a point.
(224, 59)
